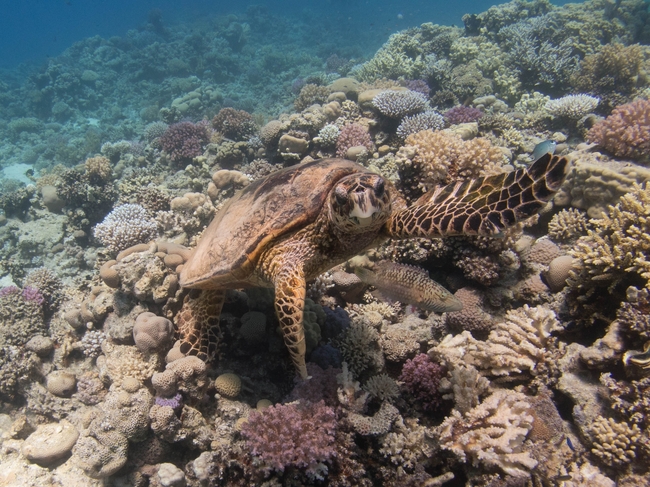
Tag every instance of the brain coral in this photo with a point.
(626, 132)
(125, 226)
(151, 333)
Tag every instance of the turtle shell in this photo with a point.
(252, 220)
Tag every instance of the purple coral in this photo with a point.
(292, 435)
(462, 114)
(421, 378)
(9, 291)
(33, 295)
(184, 140)
(176, 402)
(417, 85)
(352, 135)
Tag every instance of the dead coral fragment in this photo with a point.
(492, 433)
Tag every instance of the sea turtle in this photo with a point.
(285, 229)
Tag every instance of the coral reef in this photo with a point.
(626, 132)
(125, 226)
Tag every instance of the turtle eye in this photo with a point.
(379, 188)
(341, 195)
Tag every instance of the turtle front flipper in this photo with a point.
(483, 206)
(198, 323)
(290, 290)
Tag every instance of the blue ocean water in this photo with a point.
(33, 30)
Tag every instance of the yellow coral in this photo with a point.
(442, 156)
(619, 244)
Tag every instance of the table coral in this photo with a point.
(399, 103)
(492, 433)
(412, 124)
(572, 107)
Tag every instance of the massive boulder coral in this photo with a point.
(492, 433)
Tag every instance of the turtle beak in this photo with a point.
(363, 210)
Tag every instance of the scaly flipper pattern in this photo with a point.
(198, 323)
(483, 206)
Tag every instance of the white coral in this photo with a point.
(522, 342)
(492, 433)
(572, 106)
(125, 226)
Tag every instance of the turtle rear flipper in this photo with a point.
(483, 206)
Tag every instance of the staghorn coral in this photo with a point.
(617, 246)
(125, 226)
(412, 124)
(399, 103)
(492, 433)
(290, 435)
(626, 132)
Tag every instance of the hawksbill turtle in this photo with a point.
(285, 229)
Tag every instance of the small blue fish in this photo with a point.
(548, 146)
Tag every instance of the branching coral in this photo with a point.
(352, 135)
(125, 226)
(568, 224)
(412, 124)
(441, 156)
(572, 106)
(421, 377)
(492, 433)
(626, 132)
(184, 140)
(521, 343)
(613, 69)
(288, 435)
(398, 104)
(234, 124)
(614, 443)
(618, 245)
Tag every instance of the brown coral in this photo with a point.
(614, 69)
(626, 132)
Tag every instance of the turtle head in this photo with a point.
(359, 203)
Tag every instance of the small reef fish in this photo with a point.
(543, 148)
(409, 285)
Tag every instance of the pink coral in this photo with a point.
(626, 132)
(290, 435)
(352, 135)
(462, 114)
(421, 378)
(184, 140)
